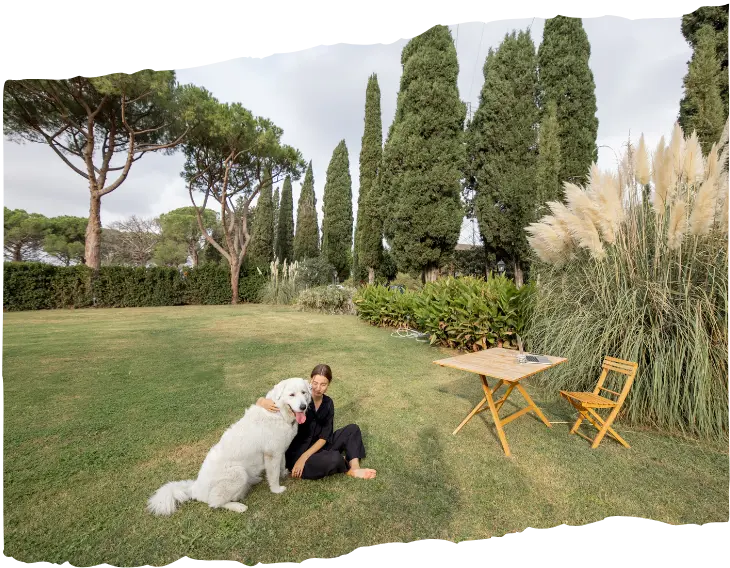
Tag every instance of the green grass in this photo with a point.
(104, 406)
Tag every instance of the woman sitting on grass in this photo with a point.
(316, 450)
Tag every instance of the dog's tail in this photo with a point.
(169, 496)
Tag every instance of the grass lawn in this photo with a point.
(104, 406)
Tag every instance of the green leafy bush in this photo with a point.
(463, 313)
(314, 272)
(382, 306)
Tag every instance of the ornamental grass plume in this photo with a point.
(693, 167)
(641, 163)
(639, 271)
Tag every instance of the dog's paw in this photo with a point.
(280, 489)
(236, 507)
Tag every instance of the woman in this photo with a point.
(316, 450)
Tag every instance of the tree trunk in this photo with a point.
(235, 274)
(18, 253)
(92, 251)
(430, 273)
(194, 255)
(518, 274)
(371, 275)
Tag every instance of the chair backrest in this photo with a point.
(627, 368)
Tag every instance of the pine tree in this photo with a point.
(369, 230)
(424, 155)
(285, 225)
(261, 247)
(566, 78)
(306, 238)
(337, 220)
(547, 177)
(277, 199)
(701, 107)
(502, 144)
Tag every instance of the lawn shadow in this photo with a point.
(470, 389)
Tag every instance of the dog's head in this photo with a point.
(294, 393)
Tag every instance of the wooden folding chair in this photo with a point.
(586, 403)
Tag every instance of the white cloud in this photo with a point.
(318, 95)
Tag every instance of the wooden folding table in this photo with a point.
(500, 364)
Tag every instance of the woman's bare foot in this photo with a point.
(362, 473)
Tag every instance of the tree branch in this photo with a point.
(199, 216)
(130, 156)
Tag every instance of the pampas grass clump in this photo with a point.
(283, 285)
(635, 266)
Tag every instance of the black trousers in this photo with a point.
(329, 460)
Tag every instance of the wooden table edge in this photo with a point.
(510, 380)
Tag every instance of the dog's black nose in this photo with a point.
(302, 407)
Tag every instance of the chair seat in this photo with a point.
(589, 399)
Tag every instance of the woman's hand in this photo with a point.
(298, 467)
(267, 404)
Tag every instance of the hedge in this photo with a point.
(465, 313)
(40, 286)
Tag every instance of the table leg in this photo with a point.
(470, 416)
(534, 407)
(495, 415)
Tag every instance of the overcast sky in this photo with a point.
(318, 97)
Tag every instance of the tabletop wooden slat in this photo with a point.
(498, 363)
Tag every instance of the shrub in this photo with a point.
(382, 306)
(635, 266)
(472, 314)
(327, 299)
(407, 281)
(315, 272)
(38, 286)
(464, 313)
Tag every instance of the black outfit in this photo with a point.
(328, 460)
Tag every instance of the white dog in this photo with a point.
(254, 444)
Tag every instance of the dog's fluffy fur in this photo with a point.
(254, 444)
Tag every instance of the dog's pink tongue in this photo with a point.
(301, 417)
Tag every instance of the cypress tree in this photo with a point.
(306, 238)
(337, 220)
(502, 146)
(369, 230)
(547, 177)
(277, 199)
(261, 247)
(717, 18)
(566, 78)
(701, 108)
(285, 226)
(424, 155)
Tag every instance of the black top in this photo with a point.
(319, 425)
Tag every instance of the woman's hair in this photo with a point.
(322, 370)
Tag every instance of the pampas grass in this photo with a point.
(693, 167)
(283, 285)
(644, 279)
(641, 163)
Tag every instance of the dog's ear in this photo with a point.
(276, 392)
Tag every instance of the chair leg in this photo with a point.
(610, 431)
(578, 422)
(606, 427)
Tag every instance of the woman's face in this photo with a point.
(319, 385)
